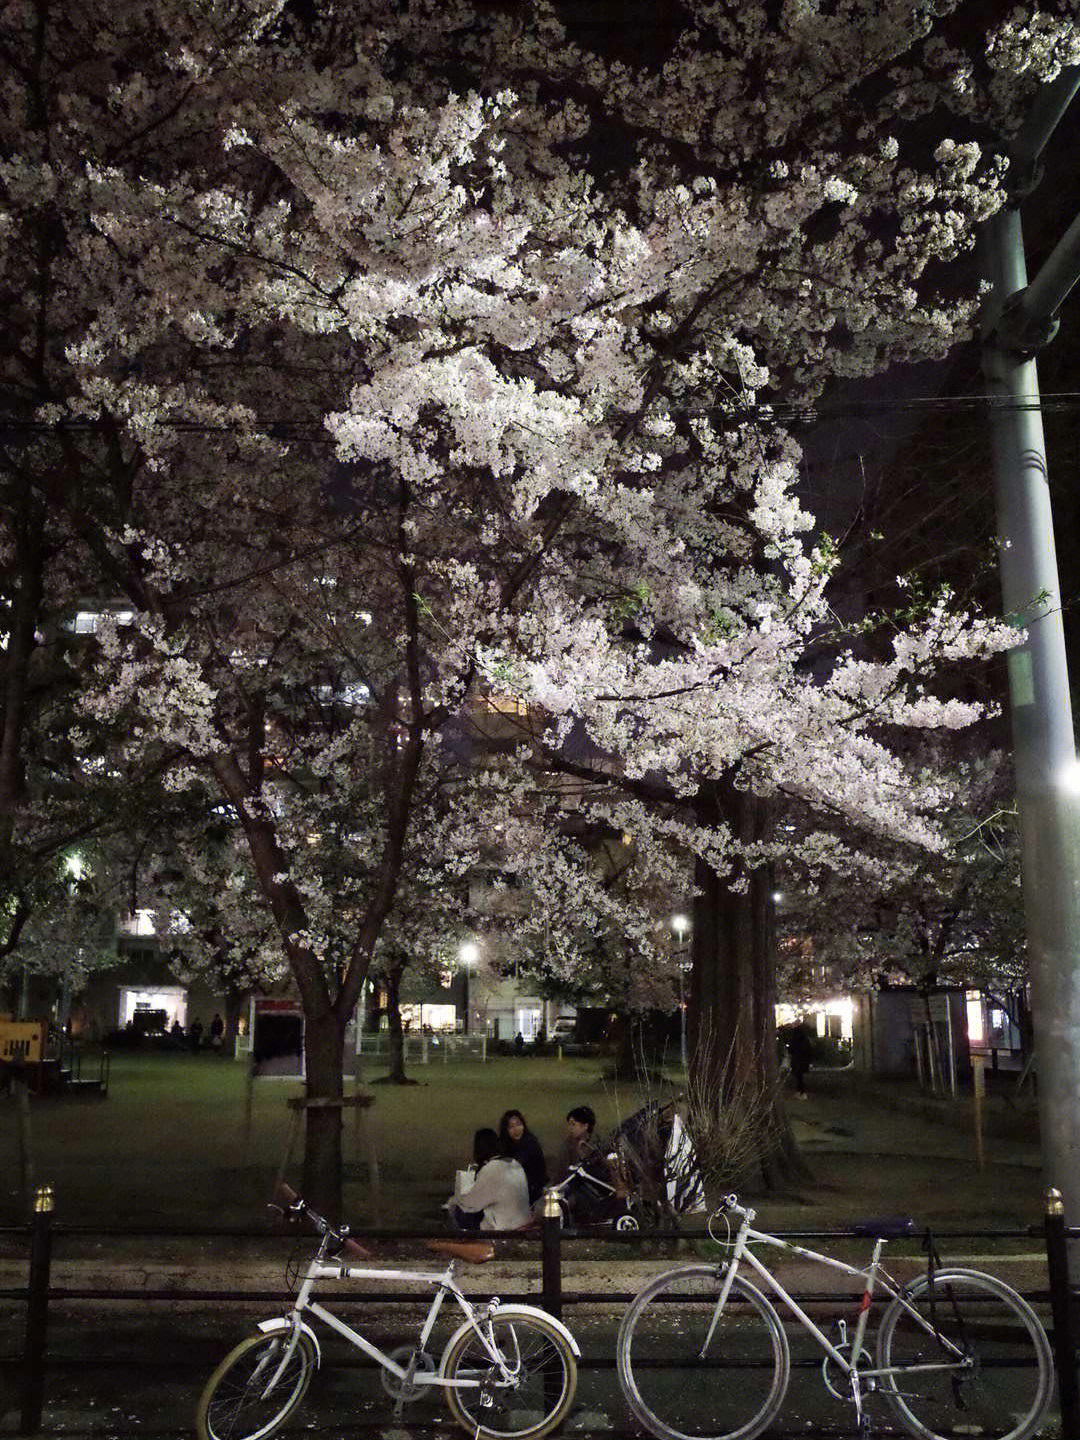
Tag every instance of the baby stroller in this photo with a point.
(645, 1173)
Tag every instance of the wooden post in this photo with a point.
(249, 1102)
(978, 1092)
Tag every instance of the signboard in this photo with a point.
(21, 1041)
(277, 1036)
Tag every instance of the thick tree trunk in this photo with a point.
(396, 1031)
(325, 1053)
(731, 1014)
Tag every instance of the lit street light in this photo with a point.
(468, 955)
(681, 925)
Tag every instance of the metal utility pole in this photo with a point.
(1019, 320)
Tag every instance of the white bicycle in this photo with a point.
(507, 1371)
(703, 1355)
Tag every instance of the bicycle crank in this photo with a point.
(410, 1361)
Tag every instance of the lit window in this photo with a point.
(139, 922)
(506, 705)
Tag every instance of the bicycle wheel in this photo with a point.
(235, 1405)
(989, 1370)
(534, 1394)
(683, 1382)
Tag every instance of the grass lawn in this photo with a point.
(171, 1142)
(171, 1147)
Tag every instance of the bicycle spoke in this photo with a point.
(691, 1373)
(521, 1377)
(985, 1361)
(237, 1404)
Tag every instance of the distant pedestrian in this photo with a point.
(799, 1047)
(195, 1030)
(217, 1031)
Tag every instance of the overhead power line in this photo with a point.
(791, 412)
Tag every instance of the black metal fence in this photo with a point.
(549, 1247)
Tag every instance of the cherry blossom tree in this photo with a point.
(429, 351)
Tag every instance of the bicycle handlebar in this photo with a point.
(294, 1204)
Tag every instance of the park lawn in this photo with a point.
(173, 1143)
(171, 1146)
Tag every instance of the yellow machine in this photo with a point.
(21, 1041)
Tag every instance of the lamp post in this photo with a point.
(681, 925)
(468, 955)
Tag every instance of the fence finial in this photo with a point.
(1055, 1205)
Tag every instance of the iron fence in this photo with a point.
(548, 1248)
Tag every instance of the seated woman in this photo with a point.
(499, 1196)
(517, 1142)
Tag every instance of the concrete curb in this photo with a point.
(248, 1282)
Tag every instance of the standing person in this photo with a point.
(518, 1142)
(499, 1194)
(799, 1047)
(217, 1031)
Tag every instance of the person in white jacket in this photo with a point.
(499, 1196)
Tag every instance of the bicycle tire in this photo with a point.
(230, 1407)
(1006, 1385)
(533, 1403)
(735, 1391)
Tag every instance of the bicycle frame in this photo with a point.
(442, 1280)
(746, 1235)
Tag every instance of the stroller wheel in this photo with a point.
(625, 1224)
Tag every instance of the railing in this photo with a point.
(436, 1048)
(549, 1241)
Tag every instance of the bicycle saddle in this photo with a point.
(473, 1251)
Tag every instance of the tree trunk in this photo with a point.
(395, 1029)
(235, 1004)
(731, 1013)
(325, 1053)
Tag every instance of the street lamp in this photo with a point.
(468, 954)
(681, 925)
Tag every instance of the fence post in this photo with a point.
(37, 1310)
(1057, 1264)
(551, 1255)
